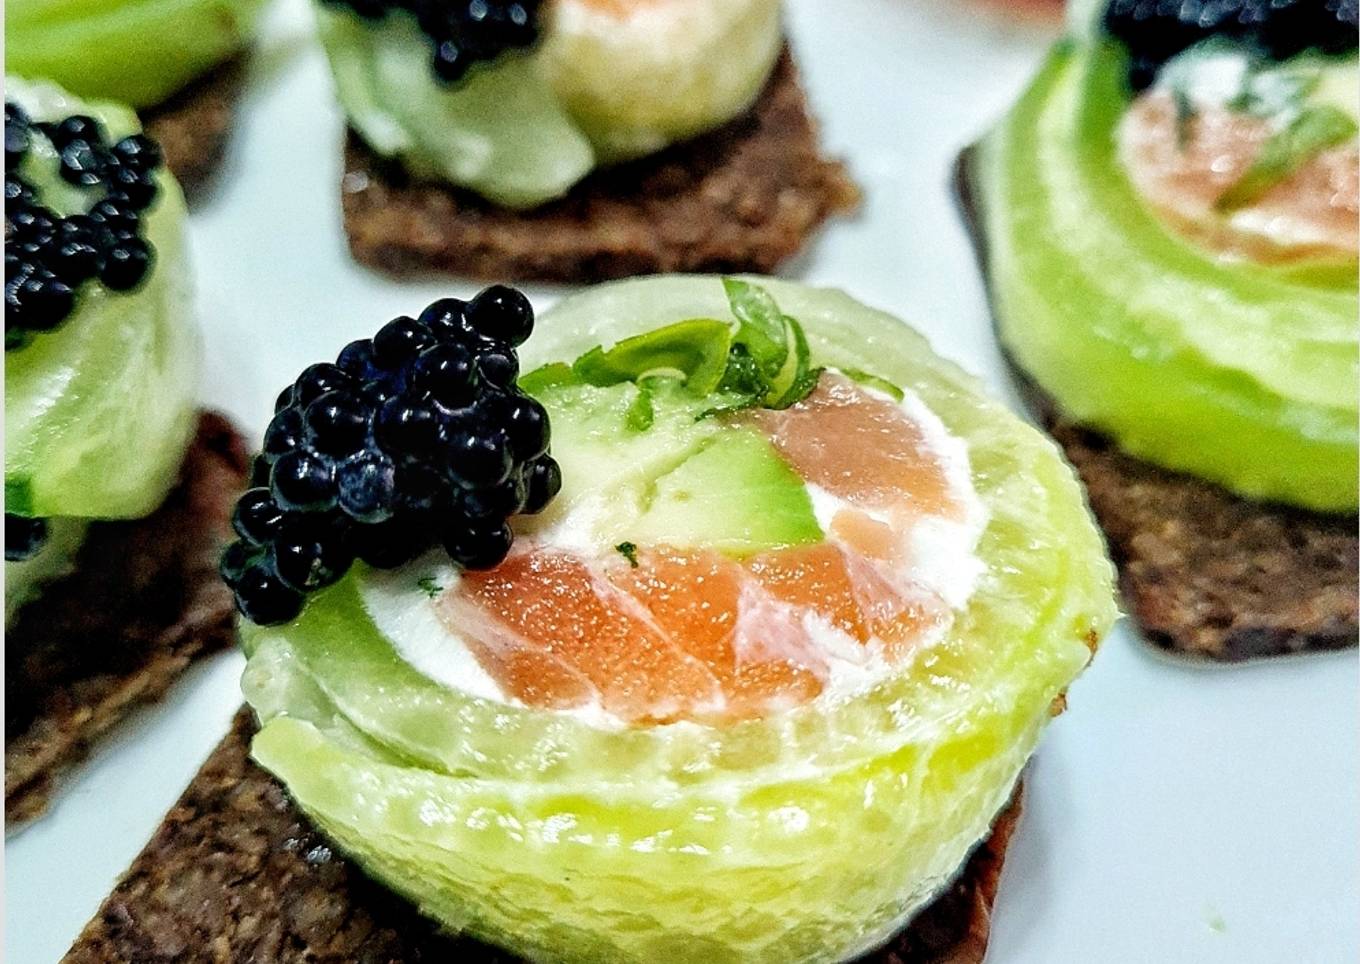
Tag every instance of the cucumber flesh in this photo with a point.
(98, 413)
(604, 85)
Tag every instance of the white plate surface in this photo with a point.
(1174, 813)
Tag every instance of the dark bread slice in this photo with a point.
(192, 127)
(1209, 572)
(235, 873)
(742, 198)
(1205, 571)
(143, 602)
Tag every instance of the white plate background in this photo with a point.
(1174, 813)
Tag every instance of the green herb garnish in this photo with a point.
(771, 371)
(548, 376)
(761, 359)
(874, 381)
(429, 586)
(694, 352)
(1270, 91)
(641, 413)
(1185, 113)
(629, 551)
(761, 326)
(1313, 131)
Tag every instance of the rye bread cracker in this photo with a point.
(1209, 572)
(192, 127)
(742, 198)
(235, 873)
(142, 603)
(1205, 571)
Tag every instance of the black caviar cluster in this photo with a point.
(47, 256)
(414, 438)
(1157, 30)
(462, 32)
(23, 537)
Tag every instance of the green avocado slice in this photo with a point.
(1242, 373)
(734, 495)
(555, 837)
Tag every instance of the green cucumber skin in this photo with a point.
(569, 842)
(1240, 373)
(98, 413)
(139, 52)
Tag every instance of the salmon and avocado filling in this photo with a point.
(781, 614)
(1252, 159)
(1176, 266)
(755, 563)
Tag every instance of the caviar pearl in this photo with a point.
(415, 439)
(257, 517)
(263, 597)
(48, 258)
(461, 33)
(501, 313)
(23, 537)
(1157, 30)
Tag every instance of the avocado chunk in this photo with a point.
(683, 480)
(735, 494)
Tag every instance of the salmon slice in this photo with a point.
(694, 635)
(559, 608)
(532, 674)
(850, 592)
(1182, 170)
(868, 536)
(814, 578)
(701, 599)
(683, 635)
(860, 447)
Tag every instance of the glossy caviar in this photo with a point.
(23, 537)
(464, 32)
(47, 256)
(1157, 30)
(414, 438)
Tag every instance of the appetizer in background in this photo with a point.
(1168, 224)
(723, 633)
(116, 491)
(574, 139)
(179, 64)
